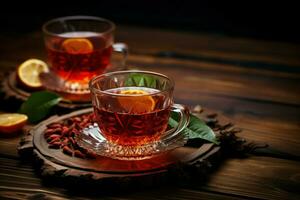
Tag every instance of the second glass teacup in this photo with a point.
(132, 110)
(79, 48)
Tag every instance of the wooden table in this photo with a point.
(254, 83)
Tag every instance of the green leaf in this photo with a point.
(197, 129)
(39, 105)
(141, 81)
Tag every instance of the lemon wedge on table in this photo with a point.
(12, 122)
(28, 73)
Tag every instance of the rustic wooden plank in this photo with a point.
(23, 184)
(17, 49)
(260, 177)
(8, 146)
(26, 193)
(273, 124)
(222, 81)
(240, 107)
(178, 194)
(208, 45)
(282, 135)
(233, 69)
(241, 178)
(23, 193)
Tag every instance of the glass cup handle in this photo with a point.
(184, 115)
(121, 48)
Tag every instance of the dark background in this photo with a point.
(257, 19)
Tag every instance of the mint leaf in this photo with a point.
(196, 128)
(141, 80)
(39, 105)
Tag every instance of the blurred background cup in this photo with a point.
(81, 47)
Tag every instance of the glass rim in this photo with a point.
(77, 17)
(99, 91)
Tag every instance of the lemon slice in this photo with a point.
(136, 104)
(77, 45)
(12, 122)
(28, 72)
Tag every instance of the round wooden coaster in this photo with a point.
(185, 160)
(12, 89)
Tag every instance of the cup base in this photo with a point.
(69, 91)
(92, 138)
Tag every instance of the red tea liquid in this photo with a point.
(79, 66)
(132, 129)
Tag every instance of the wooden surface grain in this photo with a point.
(254, 83)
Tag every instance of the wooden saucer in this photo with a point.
(184, 160)
(12, 89)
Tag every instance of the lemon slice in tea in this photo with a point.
(77, 45)
(134, 103)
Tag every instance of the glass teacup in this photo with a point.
(132, 110)
(79, 48)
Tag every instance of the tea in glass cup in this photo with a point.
(79, 48)
(132, 108)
